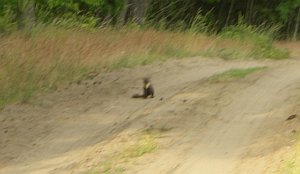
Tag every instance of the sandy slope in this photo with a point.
(214, 127)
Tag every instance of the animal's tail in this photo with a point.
(137, 96)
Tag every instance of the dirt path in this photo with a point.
(214, 128)
(241, 130)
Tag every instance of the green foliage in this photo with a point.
(269, 51)
(200, 24)
(285, 8)
(249, 33)
(177, 15)
(170, 13)
(74, 21)
(261, 38)
(7, 23)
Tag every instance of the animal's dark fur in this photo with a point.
(148, 90)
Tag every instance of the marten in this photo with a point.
(147, 88)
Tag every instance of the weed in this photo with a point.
(145, 145)
(270, 52)
(115, 163)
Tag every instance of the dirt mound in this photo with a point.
(225, 127)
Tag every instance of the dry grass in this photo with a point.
(292, 46)
(127, 154)
(50, 57)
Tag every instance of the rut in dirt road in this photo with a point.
(225, 144)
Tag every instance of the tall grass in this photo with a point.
(49, 57)
(261, 38)
(6, 21)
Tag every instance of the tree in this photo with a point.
(289, 12)
(295, 35)
(29, 14)
(229, 12)
(249, 11)
(140, 10)
(134, 10)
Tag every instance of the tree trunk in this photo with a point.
(121, 17)
(229, 13)
(221, 15)
(19, 17)
(289, 26)
(126, 12)
(247, 14)
(296, 25)
(251, 11)
(29, 14)
(26, 14)
(141, 7)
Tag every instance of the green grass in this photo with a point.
(227, 53)
(269, 51)
(236, 52)
(260, 38)
(145, 145)
(234, 74)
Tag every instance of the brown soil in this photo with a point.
(211, 128)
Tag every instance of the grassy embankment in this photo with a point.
(51, 57)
